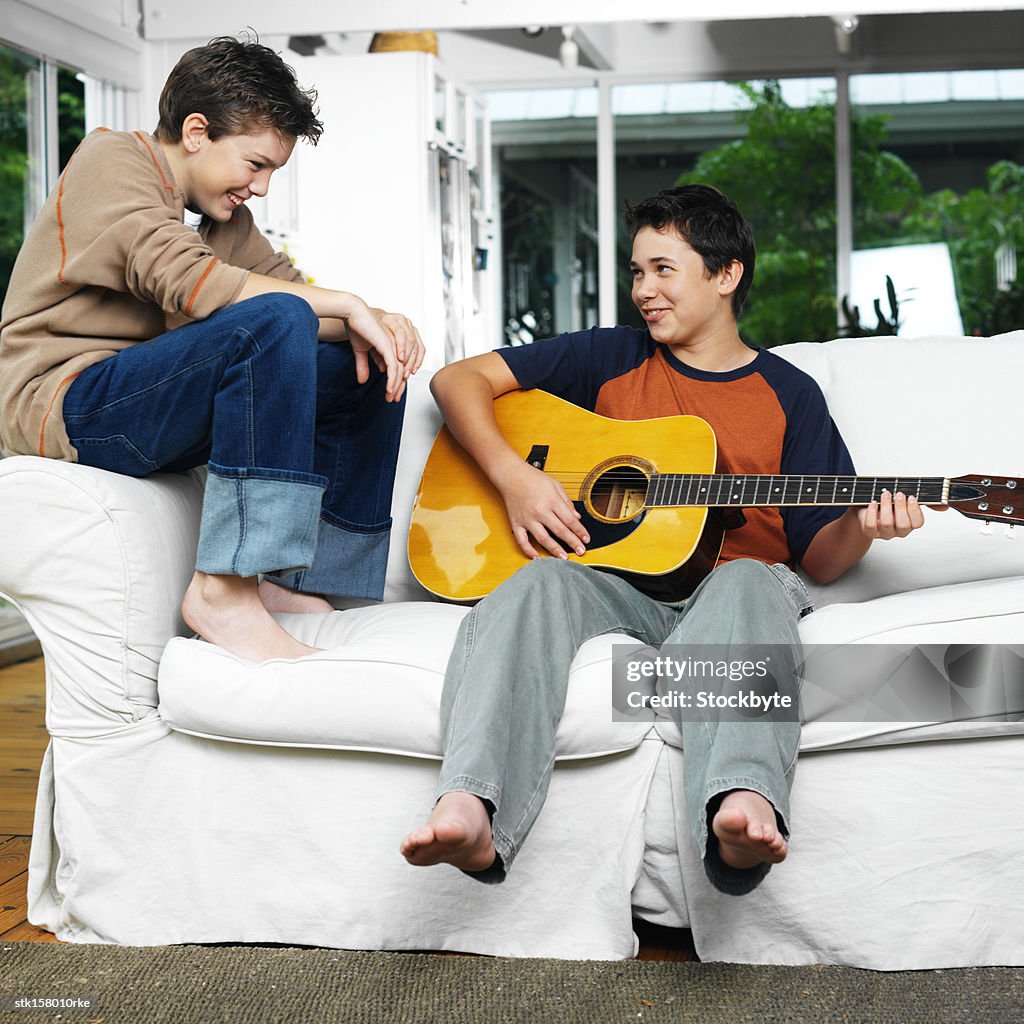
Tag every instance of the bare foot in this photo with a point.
(227, 611)
(747, 830)
(458, 832)
(281, 599)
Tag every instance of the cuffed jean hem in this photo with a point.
(258, 521)
(349, 562)
(724, 877)
(504, 848)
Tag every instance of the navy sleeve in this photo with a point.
(812, 445)
(575, 366)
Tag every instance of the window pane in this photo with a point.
(545, 148)
(70, 113)
(941, 210)
(28, 162)
(19, 78)
(768, 145)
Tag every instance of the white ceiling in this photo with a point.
(166, 19)
(484, 43)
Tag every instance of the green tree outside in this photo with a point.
(14, 70)
(13, 133)
(975, 225)
(782, 175)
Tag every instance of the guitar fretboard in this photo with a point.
(748, 491)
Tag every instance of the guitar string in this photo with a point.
(863, 488)
(739, 477)
(744, 478)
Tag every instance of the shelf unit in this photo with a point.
(394, 203)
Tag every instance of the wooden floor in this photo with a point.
(22, 743)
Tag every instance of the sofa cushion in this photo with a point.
(874, 671)
(395, 656)
(375, 687)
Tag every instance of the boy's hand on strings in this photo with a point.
(539, 508)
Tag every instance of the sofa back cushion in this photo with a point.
(422, 422)
(925, 407)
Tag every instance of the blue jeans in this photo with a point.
(299, 488)
(505, 688)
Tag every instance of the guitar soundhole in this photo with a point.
(618, 494)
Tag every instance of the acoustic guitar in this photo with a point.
(647, 492)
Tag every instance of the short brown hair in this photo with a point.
(709, 222)
(241, 88)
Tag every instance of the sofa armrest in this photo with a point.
(98, 563)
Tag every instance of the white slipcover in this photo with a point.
(229, 802)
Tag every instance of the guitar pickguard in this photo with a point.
(603, 534)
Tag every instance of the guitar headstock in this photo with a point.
(991, 498)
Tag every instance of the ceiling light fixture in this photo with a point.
(569, 51)
(845, 25)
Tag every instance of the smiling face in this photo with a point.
(219, 176)
(679, 301)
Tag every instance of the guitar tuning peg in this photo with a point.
(986, 528)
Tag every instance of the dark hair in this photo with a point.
(710, 222)
(240, 88)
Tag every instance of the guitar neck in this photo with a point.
(750, 491)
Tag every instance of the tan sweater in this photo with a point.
(109, 263)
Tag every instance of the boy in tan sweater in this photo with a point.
(150, 326)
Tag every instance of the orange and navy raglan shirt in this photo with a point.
(768, 417)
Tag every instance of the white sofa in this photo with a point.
(188, 797)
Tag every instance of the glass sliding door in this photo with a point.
(22, 147)
(946, 220)
(42, 120)
(545, 151)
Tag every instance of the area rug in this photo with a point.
(265, 985)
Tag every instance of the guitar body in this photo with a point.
(460, 543)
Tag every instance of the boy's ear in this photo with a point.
(729, 278)
(194, 131)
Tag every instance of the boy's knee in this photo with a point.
(553, 573)
(538, 577)
(744, 572)
(744, 580)
(547, 580)
(282, 308)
